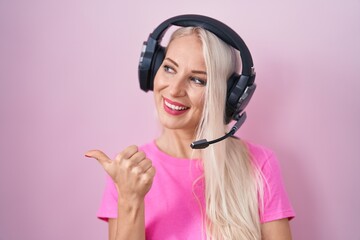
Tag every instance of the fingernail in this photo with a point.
(87, 155)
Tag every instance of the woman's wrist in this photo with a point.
(130, 209)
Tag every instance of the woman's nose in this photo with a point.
(178, 86)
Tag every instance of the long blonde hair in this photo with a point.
(233, 184)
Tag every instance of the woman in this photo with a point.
(165, 189)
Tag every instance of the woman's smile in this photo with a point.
(174, 108)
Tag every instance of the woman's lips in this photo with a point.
(174, 108)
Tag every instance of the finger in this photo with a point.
(148, 177)
(138, 157)
(137, 170)
(151, 172)
(102, 158)
(145, 164)
(127, 152)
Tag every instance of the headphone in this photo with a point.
(240, 88)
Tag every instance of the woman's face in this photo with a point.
(179, 84)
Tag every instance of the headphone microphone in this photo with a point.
(203, 143)
(240, 87)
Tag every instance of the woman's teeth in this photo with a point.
(173, 107)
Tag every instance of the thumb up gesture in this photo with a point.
(131, 171)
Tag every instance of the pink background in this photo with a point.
(68, 83)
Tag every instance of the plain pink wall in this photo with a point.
(68, 83)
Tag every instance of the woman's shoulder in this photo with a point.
(151, 150)
(149, 147)
(260, 154)
(257, 150)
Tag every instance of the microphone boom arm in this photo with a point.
(203, 143)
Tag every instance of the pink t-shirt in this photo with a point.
(172, 206)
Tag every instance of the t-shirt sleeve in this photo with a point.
(276, 202)
(108, 204)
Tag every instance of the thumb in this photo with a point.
(102, 158)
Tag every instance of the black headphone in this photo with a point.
(240, 88)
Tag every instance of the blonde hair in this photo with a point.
(233, 184)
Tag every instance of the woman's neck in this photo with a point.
(177, 144)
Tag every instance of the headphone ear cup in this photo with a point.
(230, 98)
(157, 60)
(238, 95)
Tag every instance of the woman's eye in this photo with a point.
(168, 69)
(198, 81)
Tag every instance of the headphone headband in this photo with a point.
(221, 30)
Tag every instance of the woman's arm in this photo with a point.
(131, 224)
(132, 174)
(112, 228)
(276, 230)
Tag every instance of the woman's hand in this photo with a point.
(131, 172)
(133, 175)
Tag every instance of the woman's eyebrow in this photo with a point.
(177, 65)
(169, 59)
(198, 72)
